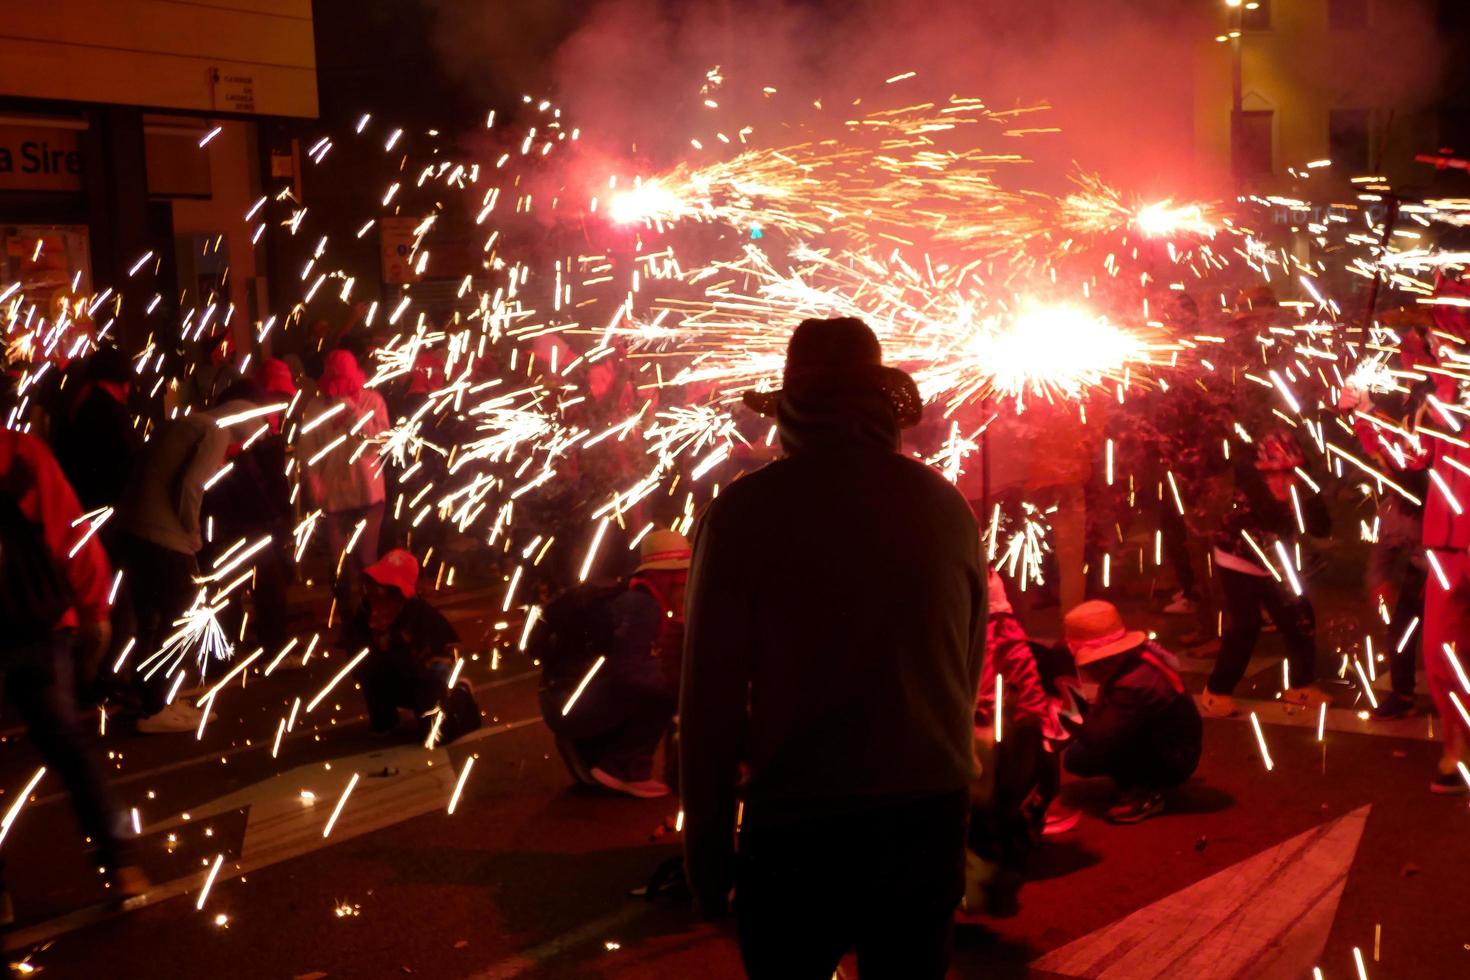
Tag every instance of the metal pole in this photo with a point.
(1237, 84)
(1389, 220)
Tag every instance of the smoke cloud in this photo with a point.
(1120, 75)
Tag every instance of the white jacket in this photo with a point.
(349, 475)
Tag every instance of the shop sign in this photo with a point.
(40, 158)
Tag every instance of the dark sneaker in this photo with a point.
(576, 765)
(1137, 809)
(1393, 705)
(1449, 784)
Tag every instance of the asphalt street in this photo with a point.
(1252, 873)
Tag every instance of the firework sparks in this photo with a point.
(337, 810)
(20, 801)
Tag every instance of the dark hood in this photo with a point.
(837, 418)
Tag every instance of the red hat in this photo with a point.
(398, 569)
(275, 377)
(341, 375)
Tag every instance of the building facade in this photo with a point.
(1288, 83)
(130, 127)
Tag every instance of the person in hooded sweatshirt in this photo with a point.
(342, 471)
(835, 628)
(252, 501)
(161, 532)
(97, 443)
(54, 590)
(1142, 730)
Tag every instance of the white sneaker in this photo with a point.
(1182, 605)
(643, 789)
(176, 717)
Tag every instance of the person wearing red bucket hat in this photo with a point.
(399, 570)
(1143, 729)
(410, 655)
(836, 620)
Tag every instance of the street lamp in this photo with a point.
(1237, 87)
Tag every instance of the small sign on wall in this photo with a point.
(397, 239)
(232, 90)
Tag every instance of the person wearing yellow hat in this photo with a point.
(608, 658)
(1142, 729)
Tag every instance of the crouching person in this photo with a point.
(410, 654)
(1143, 730)
(605, 693)
(1016, 731)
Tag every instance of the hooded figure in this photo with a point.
(1143, 729)
(97, 443)
(835, 627)
(342, 471)
(609, 721)
(252, 500)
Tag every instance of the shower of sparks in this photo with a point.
(197, 632)
(1096, 208)
(1026, 544)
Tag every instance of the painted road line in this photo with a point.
(537, 956)
(1266, 917)
(280, 846)
(230, 753)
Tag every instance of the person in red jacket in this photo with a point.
(1017, 735)
(40, 659)
(1447, 610)
(1447, 549)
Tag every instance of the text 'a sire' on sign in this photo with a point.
(40, 158)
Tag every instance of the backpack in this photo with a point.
(571, 633)
(34, 594)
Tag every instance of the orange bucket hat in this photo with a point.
(663, 550)
(1094, 631)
